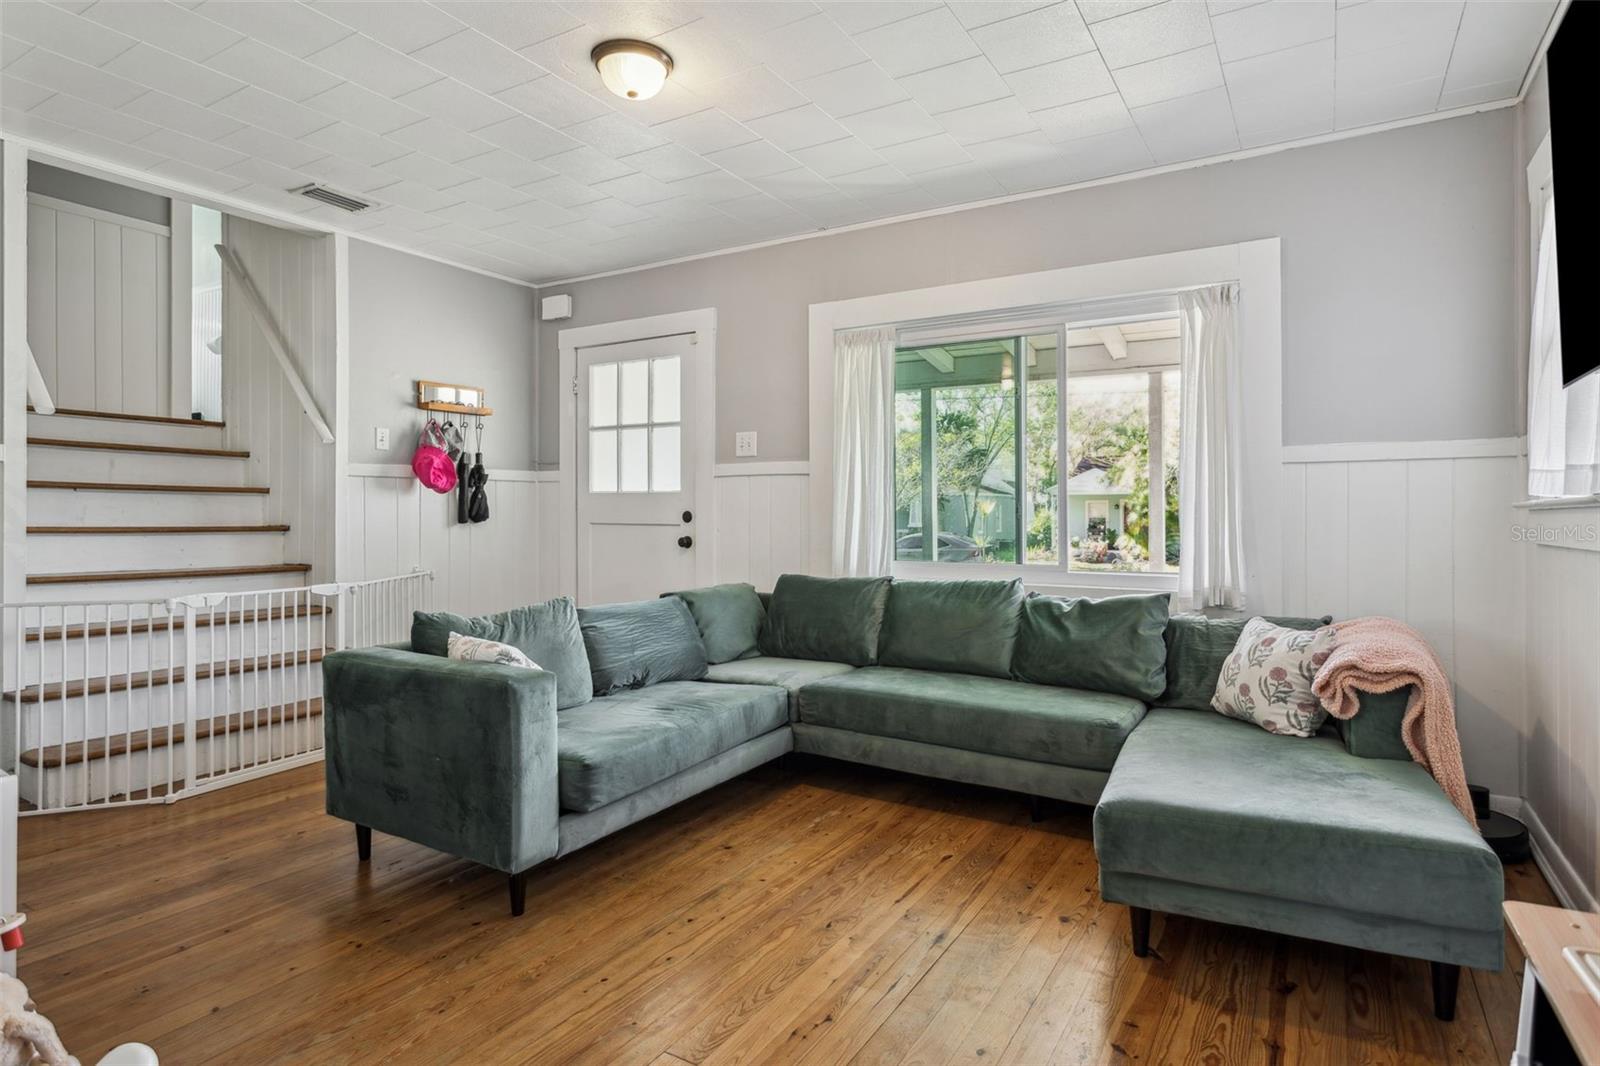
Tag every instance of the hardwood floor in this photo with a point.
(822, 914)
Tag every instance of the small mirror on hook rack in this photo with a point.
(455, 399)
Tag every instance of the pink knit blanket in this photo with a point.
(1380, 655)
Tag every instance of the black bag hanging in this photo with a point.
(478, 508)
(463, 490)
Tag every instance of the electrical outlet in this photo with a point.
(381, 439)
(744, 443)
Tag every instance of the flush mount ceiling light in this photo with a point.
(633, 70)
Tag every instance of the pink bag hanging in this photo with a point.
(431, 462)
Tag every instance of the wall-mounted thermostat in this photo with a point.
(554, 307)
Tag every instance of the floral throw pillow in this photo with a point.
(479, 650)
(1267, 678)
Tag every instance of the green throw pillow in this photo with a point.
(729, 618)
(1109, 645)
(632, 645)
(836, 619)
(1374, 733)
(546, 632)
(1196, 649)
(966, 627)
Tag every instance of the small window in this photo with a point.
(635, 439)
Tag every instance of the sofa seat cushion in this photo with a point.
(791, 675)
(613, 746)
(1206, 800)
(1042, 723)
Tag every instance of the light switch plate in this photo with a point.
(744, 443)
(381, 438)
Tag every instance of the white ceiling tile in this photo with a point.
(751, 21)
(1116, 152)
(920, 42)
(1188, 127)
(450, 101)
(874, 182)
(1364, 107)
(20, 95)
(615, 135)
(1478, 94)
(475, 60)
(63, 75)
(404, 25)
(1085, 118)
(673, 101)
(701, 55)
(839, 157)
(416, 196)
(278, 178)
(165, 25)
(32, 124)
(173, 74)
(1041, 36)
(975, 13)
(755, 159)
(201, 153)
(985, 122)
(292, 28)
(799, 128)
(1223, 7)
(960, 184)
(705, 131)
(1306, 69)
(12, 50)
(1100, 10)
(277, 72)
(264, 144)
(753, 93)
(587, 231)
(553, 101)
(169, 111)
(640, 19)
(971, 81)
(683, 209)
(856, 16)
(261, 108)
(851, 90)
(1169, 77)
(1152, 32)
(515, 25)
(475, 216)
(797, 184)
(177, 170)
(426, 170)
(587, 165)
(807, 48)
(555, 196)
(669, 162)
(62, 32)
(1274, 117)
(636, 189)
(1063, 82)
(926, 153)
(713, 187)
(1374, 26)
(346, 175)
(1271, 26)
(441, 141)
(356, 144)
(1406, 61)
(528, 137)
(1492, 46)
(505, 168)
(376, 66)
(365, 108)
(894, 124)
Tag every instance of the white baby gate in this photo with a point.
(148, 701)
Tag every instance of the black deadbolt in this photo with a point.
(688, 516)
(685, 542)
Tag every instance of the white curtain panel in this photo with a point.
(1211, 572)
(863, 452)
(1563, 424)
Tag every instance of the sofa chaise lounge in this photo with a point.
(1338, 837)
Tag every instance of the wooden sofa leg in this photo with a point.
(363, 843)
(1139, 918)
(519, 892)
(1446, 980)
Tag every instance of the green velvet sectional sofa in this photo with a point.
(1339, 837)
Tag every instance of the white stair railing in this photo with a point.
(128, 702)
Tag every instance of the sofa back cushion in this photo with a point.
(729, 618)
(1197, 646)
(837, 619)
(1109, 645)
(964, 627)
(631, 645)
(547, 633)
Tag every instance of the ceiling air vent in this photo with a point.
(328, 196)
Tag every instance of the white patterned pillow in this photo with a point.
(478, 650)
(1267, 677)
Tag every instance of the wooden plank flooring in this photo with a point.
(823, 914)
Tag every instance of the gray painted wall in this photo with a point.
(93, 192)
(1398, 318)
(414, 318)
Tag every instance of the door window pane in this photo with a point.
(634, 459)
(908, 507)
(635, 399)
(665, 459)
(602, 460)
(1172, 437)
(664, 401)
(1041, 508)
(603, 394)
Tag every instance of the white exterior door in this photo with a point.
(638, 433)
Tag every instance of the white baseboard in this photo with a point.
(1569, 888)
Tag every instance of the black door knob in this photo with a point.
(688, 516)
(685, 542)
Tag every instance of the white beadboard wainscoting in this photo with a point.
(99, 307)
(762, 521)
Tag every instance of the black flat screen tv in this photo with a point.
(1573, 121)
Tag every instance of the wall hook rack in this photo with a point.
(452, 399)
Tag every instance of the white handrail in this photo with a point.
(38, 391)
(269, 327)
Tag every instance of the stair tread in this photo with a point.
(79, 751)
(125, 446)
(140, 486)
(118, 530)
(161, 575)
(50, 691)
(142, 626)
(122, 416)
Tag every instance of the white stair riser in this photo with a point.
(137, 652)
(106, 591)
(118, 775)
(61, 553)
(132, 710)
(84, 464)
(69, 427)
(86, 507)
